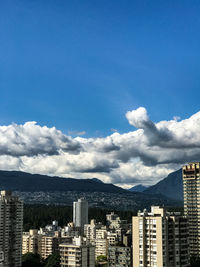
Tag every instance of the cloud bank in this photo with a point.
(144, 155)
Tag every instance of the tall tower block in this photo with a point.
(191, 189)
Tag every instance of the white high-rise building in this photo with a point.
(11, 223)
(80, 213)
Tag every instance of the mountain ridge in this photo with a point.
(171, 186)
(23, 181)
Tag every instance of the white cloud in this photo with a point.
(144, 155)
(138, 117)
(31, 139)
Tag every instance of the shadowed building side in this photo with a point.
(11, 224)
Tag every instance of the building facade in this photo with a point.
(11, 224)
(90, 230)
(160, 239)
(1, 259)
(191, 190)
(101, 247)
(77, 254)
(44, 244)
(101, 242)
(119, 256)
(30, 241)
(48, 245)
(113, 238)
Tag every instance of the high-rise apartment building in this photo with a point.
(160, 239)
(77, 254)
(80, 213)
(191, 190)
(30, 241)
(11, 223)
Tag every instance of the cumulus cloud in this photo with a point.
(154, 135)
(102, 145)
(138, 118)
(31, 139)
(144, 155)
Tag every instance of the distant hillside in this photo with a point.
(43, 189)
(171, 186)
(26, 182)
(138, 188)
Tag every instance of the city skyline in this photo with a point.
(112, 86)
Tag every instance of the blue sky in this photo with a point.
(81, 65)
(93, 66)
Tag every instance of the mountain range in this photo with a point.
(36, 188)
(26, 182)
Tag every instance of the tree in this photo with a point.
(101, 258)
(101, 261)
(53, 260)
(195, 261)
(31, 260)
